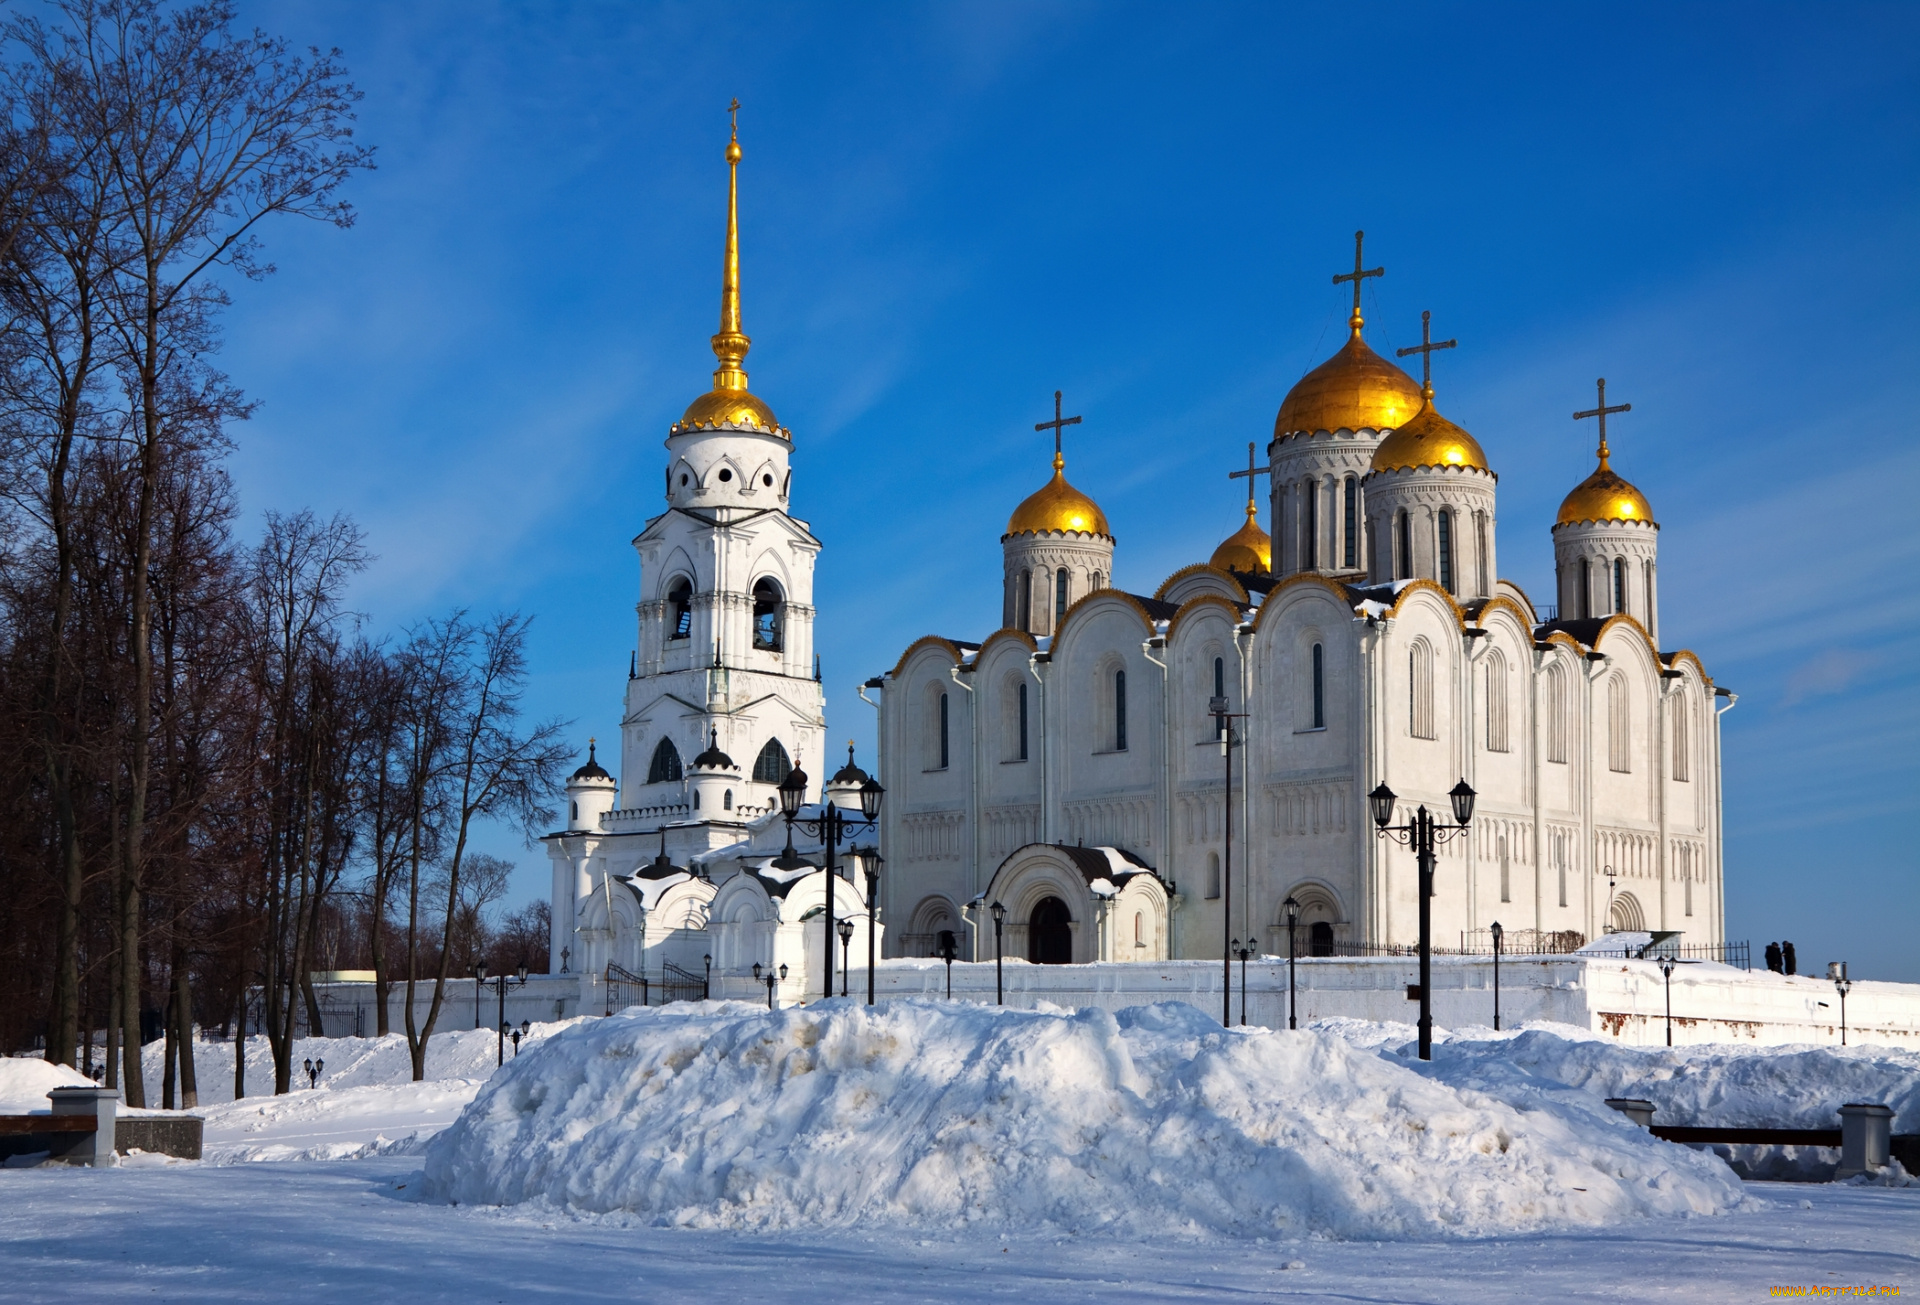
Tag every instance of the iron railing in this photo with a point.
(677, 984)
(624, 988)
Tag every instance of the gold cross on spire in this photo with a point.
(1601, 412)
(1249, 474)
(1059, 459)
(1426, 349)
(1357, 276)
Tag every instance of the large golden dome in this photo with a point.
(1429, 440)
(1604, 496)
(1356, 389)
(1248, 549)
(1057, 505)
(730, 408)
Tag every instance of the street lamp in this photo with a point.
(770, 979)
(1244, 953)
(999, 980)
(1666, 969)
(1293, 918)
(948, 948)
(1837, 971)
(1422, 834)
(1498, 934)
(315, 1068)
(520, 1033)
(706, 983)
(870, 862)
(846, 952)
(1223, 729)
(479, 981)
(500, 983)
(831, 826)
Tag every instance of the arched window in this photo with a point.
(1682, 728)
(1219, 691)
(727, 800)
(1310, 522)
(665, 766)
(1139, 929)
(1119, 711)
(1050, 933)
(1099, 581)
(1059, 597)
(1506, 882)
(1560, 864)
(1480, 552)
(1023, 601)
(1619, 740)
(1420, 690)
(1013, 717)
(1496, 703)
(1350, 525)
(1620, 584)
(1320, 939)
(1319, 688)
(1446, 550)
(1556, 709)
(944, 737)
(1213, 875)
(1686, 877)
(1586, 588)
(772, 765)
(768, 603)
(680, 609)
(1403, 567)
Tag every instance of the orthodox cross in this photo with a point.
(1425, 349)
(733, 117)
(1056, 424)
(1357, 276)
(1250, 472)
(1601, 412)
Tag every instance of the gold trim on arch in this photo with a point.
(1299, 578)
(1195, 602)
(1196, 569)
(1013, 632)
(1119, 595)
(927, 640)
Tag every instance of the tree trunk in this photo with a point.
(112, 1048)
(172, 1050)
(135, 1086)
(183, 1017)
(240, 1040)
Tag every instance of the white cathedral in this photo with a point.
(1066, 767)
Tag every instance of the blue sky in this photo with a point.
(949, 211)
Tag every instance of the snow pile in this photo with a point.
(928, 1113)
(25, 1082)
(344, 1124)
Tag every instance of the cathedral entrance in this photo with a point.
(1050, 933)
(1320, 939)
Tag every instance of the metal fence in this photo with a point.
(677, 984)
(624, 988)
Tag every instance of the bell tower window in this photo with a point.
(1350, 526)
(768, 606)
(1059, 597)
(1446, 550)
(680, 609)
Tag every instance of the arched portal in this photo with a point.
(1320, 939)
(1625, 916)
(1050, 933)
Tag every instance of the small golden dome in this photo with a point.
(1603, 496)
(1429, 440)
(1057, 505)
(1247, 550)
(1356, 389)
(729, 408)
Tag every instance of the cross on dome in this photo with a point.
(1357, 276)
(1426, 349)
(1601, 412)
(1055, 426)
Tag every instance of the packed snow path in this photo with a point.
(947, 1115)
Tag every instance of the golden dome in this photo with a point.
(1429, 440)
(1248, 549)
(1356, 389)
(1057, 505)
(730, 408)
(1603, 496)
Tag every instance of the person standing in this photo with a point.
(1773, 957)
(1786, 959)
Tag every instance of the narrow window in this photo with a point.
(1686, 877)
(1219, 691)
(727, 800)
(1496, 703)
(576, 810)
(1119, 711)
(1099, 581)
(1139, 929)
(1618, 740)
(1682, 726)
(1405, 569)
(1480, 539)
(1620, 584)
(680, 610)
(1350, 526)
(1506, 884)
(1446, 550)
(1023, 602)
(1213, 875)
(1586, 588)
(1059, 597)
(1022, 695)
(665, 767)
(1310, 521)
(1560, 862)
(1280, 519)
(772, 765)
(1319, 688)
(1556, 717)
(1420, 691)
(943, 731)
(767, 603)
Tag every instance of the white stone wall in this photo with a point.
(1587, 593)
(1031, 563)
(1319, 464)
(1423, 493)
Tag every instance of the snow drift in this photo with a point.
(1151, 1120)
(24, 1083)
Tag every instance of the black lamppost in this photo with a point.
(830, 827)
(846, 952)
(770, 978)
(315, 1068)
(871, 861)
(1498, 934)
(706, 983)
(520, 1033)
(1422, 834)
(999, 981)
(479, 981)
(500, 982)
(947, 950)
(1666, 970)
(1223, 726)
(1244, 953)
(1293, 918)
(1837, 971)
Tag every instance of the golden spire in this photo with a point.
(730, 345)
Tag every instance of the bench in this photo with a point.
(80, 1129)
(1864, 1139)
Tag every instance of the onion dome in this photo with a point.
(1356, 389)
(728, 404)
(713, 758)
(849, 775)
(1247, 550)
(1604, 496)
(592, 770)
(1057, 505)
(1429, 440)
